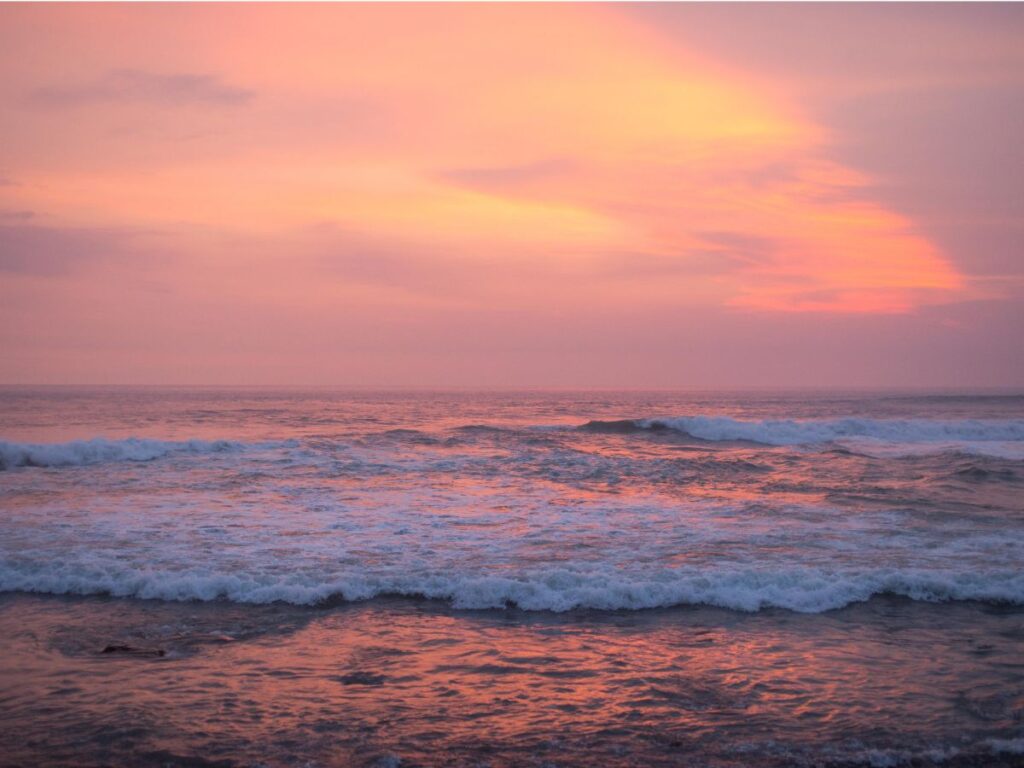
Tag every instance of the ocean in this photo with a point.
(321, 577)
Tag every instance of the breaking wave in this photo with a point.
(810, 431)
(100, 450)
(803, 590)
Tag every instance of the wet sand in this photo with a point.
(404, 682)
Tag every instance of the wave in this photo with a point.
(624, 426)
(100, 450)
(802, 590)
(809, 431)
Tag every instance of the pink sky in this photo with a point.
(542, 195)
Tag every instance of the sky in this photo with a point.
(577, 195)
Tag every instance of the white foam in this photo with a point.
(1006, 746)
(543, 525)
(879, 758)
(977, 435)
(803, 590)
(100, 450)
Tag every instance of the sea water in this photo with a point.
(641, 578)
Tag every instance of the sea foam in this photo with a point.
(996, 437)
(100, 450)
(803, 590)
(797, 432)
(352, 505)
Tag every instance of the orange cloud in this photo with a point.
(542, 141)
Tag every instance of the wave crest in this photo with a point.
(100, 450)
(803, 590)
(955, 434)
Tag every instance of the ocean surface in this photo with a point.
(698, 578)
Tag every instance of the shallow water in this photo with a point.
(887, 682)
(609, 578)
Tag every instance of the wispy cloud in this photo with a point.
(51, 251)
(134, 86)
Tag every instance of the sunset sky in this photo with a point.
(541, 195)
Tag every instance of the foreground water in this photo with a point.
(537, 524)
(385, 683)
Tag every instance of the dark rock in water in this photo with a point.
(133, 651)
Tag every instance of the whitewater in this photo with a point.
(537, 501)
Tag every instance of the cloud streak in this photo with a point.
(135, 86)
(52, 251)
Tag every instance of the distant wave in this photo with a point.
(958, 398)
(100, 450)
(803, 590)
(808, 431)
